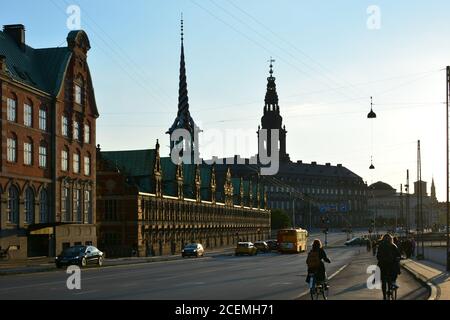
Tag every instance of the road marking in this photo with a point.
(329, 278)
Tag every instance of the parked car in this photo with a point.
(193, 250)
(273, 244)
(356, 242)
(246, 248)
(80, 255)
(262, 246)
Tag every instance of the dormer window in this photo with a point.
(79, 87)
(78, 94)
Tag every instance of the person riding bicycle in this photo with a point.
(315, 262)
(389, 263)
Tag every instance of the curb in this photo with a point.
(434, 291)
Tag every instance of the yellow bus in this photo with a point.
(292, 240)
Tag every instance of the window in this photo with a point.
(87, 133)
(87, 207)
(29, 206)
(13, 205)
(76, 130)
(76, 162)
(43, 119)
(78, 94)
(87, 165)
(77, 205)
(43, 206)
(65, 126)
(28, 153)
(65, 204)
(12, 149)
(64, 160)
(12, 110)
(42, 156)
(27, 115)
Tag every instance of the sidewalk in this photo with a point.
(433, 275)
(44, 264)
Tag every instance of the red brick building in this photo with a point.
(48, 153)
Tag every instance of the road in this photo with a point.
(265, 276)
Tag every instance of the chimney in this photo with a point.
(339, 165)
(328, 164)
(314, 163)
(17, 33)
(299, 162)
(2, 64)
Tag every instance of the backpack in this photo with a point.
(313, 260)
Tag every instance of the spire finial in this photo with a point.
(271, 65)
(182, 28)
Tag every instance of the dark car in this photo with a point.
(193, 250)
(262, 246)
(356, 242)
(273, 244)
(81, 256)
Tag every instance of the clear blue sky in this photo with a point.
(328, 65)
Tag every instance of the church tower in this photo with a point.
(433, 191)
(272, 120)
(183, 119)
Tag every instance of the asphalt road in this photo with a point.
(265, 276)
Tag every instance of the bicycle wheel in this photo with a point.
(324, 292)
(312, 293)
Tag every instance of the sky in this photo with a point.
(331, 57)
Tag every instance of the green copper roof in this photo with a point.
(40, 68)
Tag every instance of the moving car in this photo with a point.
(81, 256)
(262, 246)
(246, 248)
(193, 250)
(356, 242)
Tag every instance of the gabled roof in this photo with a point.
(42, 69)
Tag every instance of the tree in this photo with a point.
(279, 220)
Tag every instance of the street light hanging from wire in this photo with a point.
(371, 115)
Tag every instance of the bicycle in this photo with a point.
(391, 293)
(317, 288)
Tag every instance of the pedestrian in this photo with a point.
(374, 248)
(413, 247)
(368, 245)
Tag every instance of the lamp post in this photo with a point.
(447, 205)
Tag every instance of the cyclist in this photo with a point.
(315, 262)
(388, 260)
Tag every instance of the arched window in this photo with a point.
(43, 118)
(43, 155)
(65, 159)
(43, 207)
(28, 152)
(76, 162)
(87, 165)
(65, 125)
(29, 206)
(87, 133)
(12, 148)
(28, 113)
(13, 205)
(12, 108)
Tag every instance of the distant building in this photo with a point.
(47, 166)
(389, 207)
(308, 192)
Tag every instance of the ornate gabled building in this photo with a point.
(151, 206)
(47, 166)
